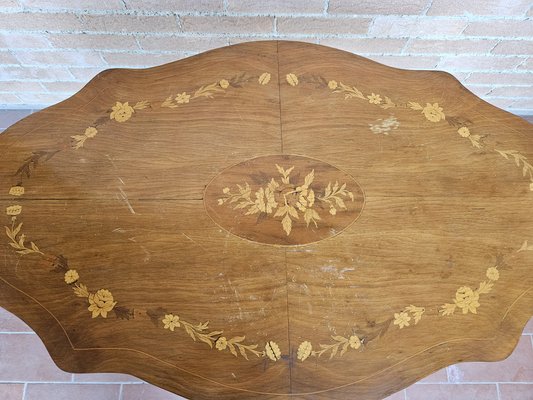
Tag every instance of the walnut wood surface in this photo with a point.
(345, 228)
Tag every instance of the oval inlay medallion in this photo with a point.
(284, 200)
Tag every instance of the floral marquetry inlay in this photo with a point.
(206, 279)
(284, 200)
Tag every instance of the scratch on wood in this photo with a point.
(125, 198)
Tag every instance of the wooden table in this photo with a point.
(270, 220)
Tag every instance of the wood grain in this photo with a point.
(269, 220)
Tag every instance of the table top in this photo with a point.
(270, 220)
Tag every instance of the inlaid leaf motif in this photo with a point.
(292, 79)
(521, 161)
(526, 247)
(264, 78)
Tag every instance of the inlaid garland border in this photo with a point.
(101, 302)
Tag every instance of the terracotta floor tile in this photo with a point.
(10, 323)
(9, 117)
(516, 392)
(105, 378)
(516, 368)
(45, 391)
(11, 391)
(452, 392)
(147, 392)
(24, 358)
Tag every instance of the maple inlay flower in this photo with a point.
(171, 322)
(401, 319)
(224, 84)
(71, 276)
(332, 85)
(464, 131)
(374, 98)
(14, 210)
(183, 98)
(221, 343)
(101, 302)
(91, 132)
(121, 112)
(355, 342)
(16, 191)
(433, 112)
(493, 274)
(304, 350)
(467, 299)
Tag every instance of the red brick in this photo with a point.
(7, 58)
(9, 4)
(181, 43)
(140, 59)
(514, 47)
(176, 5)
(527, 64)
(8, 321)
(500, 28)
(420, 46)
(96, 41)
(367, 46)
(517, 368)
(377, 7)
(407, 62)
(41, 391)
(74, 5)
(452, 392)
(317, 26)
(42, 99)
(9, 99)
(501, 78)
(23, 41)
(476, 7)
(513, 91)
(128, 23)
(105, 378)
(480, 90)
(415, 26)
(85, 74)
(77, 57)
(34, 21)
(11, 391)
(245, 39)
(516, 392)
(147, 392)
(18, 87)
(24, 358)
(227, 24)
(64, 87)
(523, 104)
(276, 6)
(55, 73)
(500, 102)
(478, 63)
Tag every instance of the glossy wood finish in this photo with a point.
(270, 220)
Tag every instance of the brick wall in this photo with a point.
(49, 48)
